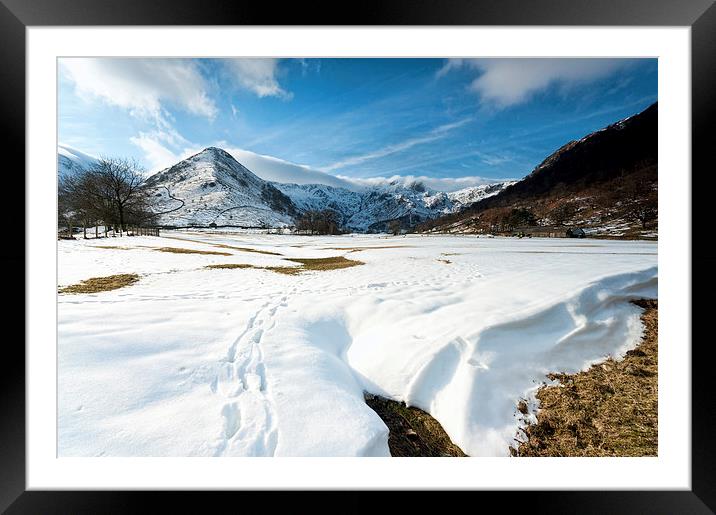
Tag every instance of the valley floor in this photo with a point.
(221, 345)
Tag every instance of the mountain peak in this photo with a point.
(215, 152)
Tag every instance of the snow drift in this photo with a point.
(247, 362)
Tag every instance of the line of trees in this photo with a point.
(111, 192)
(326, 221)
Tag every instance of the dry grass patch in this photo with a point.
(446, 261)
(111, 247)
(176, 250)
(306, 264)
(231, 265)
(608, 410)
(98, 284)
(223, 246)
(246, 249)
(358, 249)
(413, 432)
(287, 270)
(329, 263)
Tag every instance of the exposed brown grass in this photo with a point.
(287, 270)
(446, 261)
(413, 432)
(223, 246)
(98, 284)
(246, 249)
(328, 263)
(176, 250)
(231, 265)
(608, 410)
(358, 249)
(111, 247)
(306, 264)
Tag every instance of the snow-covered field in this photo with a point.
(192, 361)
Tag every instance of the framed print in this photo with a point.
(417, 249)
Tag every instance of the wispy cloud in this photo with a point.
(279, 170)
(143, 86)
(155, 153)
(435, 134)
(506, 82)
(259, 76)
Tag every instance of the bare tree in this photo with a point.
(319, 222)
(111, 191)
(394, 227)
(641, 201)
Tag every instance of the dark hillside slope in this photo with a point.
(606, 181)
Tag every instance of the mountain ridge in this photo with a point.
(605, 182)
(609, 176)
(216, 189)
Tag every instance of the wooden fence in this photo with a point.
(105, 232)
(142, 231)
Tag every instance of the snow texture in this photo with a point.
(191, 361)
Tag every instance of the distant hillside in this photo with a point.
(71, 161)
(606, 183)
(212, 187)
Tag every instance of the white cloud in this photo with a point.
(156, 154)
(450, 64)
(274, 169)
(506, 82)
(436, 133)
(257, 75)
(142, 85)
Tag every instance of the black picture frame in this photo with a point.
(700, 15)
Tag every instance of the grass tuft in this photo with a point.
(231, 265)
(98, 284)
(358, 249)
(287, 270)
(306, 264)
(246, 249)
(176, 250)
(608, 410)
(323, 264)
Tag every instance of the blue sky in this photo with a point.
(455, 122)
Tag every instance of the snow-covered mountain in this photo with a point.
(71, 161)
(212, 187)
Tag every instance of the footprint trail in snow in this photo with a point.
(250, 427)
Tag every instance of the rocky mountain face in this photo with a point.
(606, 183)
(211, 187)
